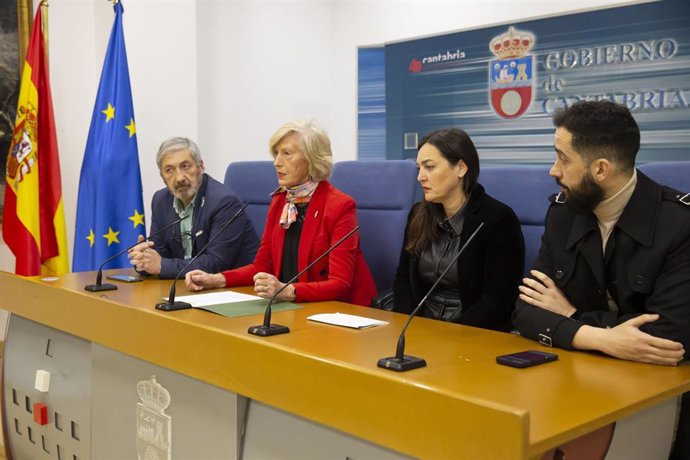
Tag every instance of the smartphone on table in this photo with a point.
(526, 358)
(124, 278)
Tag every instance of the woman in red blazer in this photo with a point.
(307, 216)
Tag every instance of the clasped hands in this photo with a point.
(144, 257)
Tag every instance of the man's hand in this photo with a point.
(144, 257)
(197, 280)
(545, 294)
(266, 285)
(627, 341)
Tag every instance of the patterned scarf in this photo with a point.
(297, 194)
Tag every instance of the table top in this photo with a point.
(463, 404)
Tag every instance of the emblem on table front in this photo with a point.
(153, 424)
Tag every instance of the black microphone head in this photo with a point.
(400, 349)
(267, 313)
(173, 289)
(171, 304)
(99, 286)
(267, 329)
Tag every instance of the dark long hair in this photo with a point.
(455, 145)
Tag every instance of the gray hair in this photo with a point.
(174, 144)
(314, 143)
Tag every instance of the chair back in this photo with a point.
(384, 191)
(253, 182)
(526, 189)
(674, 174)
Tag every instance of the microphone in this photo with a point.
(402, 362)
(267, 329)
(171, 304)
(98, 287)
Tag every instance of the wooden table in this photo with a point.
(462, 405)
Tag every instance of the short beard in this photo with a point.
(585, 197)
(188, 195)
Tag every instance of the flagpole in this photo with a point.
(24, 21)
(44, 14)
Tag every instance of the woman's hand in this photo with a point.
(197, 280)
(266, 286)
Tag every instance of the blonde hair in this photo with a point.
(313, 142)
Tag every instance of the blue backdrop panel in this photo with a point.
(502, 83)
(371, 110)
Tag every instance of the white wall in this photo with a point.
(260, 65)
(228, 73)
(263, 63)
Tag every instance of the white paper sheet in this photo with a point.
(215, 298)
(343, 319)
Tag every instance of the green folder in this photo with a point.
(247, 307)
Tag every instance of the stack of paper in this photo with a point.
(215, 298)
(342, 319)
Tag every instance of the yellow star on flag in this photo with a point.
(91, 238)
(137, 218)
(109, 113)
(111, 236)
(131, 127)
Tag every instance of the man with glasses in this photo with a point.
(206, 205)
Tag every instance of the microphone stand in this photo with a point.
(171, 304)
(98, 287)
(402, 362)
(267, 329)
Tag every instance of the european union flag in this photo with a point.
(110, 212)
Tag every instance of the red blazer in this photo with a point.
(342, 275)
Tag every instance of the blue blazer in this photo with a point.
(215, 204)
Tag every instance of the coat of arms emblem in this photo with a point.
(511, 75)
(153, 424)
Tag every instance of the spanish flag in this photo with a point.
(33, 218)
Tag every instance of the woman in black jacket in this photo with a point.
(481, 290)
